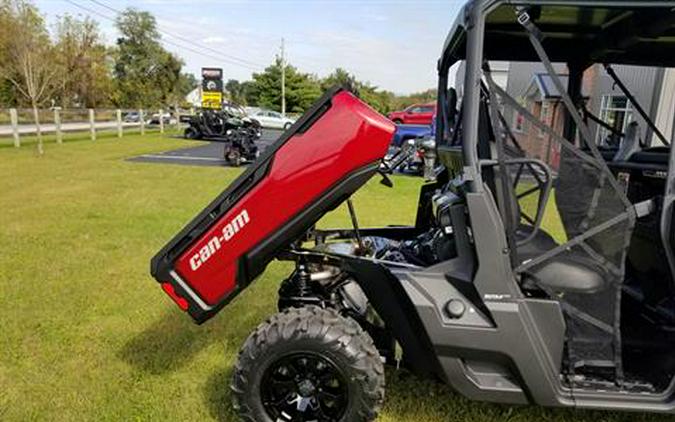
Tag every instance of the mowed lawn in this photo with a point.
(86, 333)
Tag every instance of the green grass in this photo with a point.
(86, 334)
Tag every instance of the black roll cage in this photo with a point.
(466, 41)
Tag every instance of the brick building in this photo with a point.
(533, 88)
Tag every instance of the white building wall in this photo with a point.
(666, 110)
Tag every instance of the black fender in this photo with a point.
(389, 299)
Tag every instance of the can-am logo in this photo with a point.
(216, 242)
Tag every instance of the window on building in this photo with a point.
(616, 111)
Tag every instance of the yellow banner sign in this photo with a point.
(212, 99)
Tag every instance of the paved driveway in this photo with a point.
(203, 153)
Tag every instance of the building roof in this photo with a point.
(543, 88)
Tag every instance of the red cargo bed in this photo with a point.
(327, 155)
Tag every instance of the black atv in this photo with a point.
(237, 132)
(214, 125)
(239, 147)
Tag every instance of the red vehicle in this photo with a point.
(417, 114)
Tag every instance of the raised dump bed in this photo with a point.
(318, 163)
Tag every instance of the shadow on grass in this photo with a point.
(166, 345)
(173, 340)
(412, 399)
(218, 396)
(409, 398)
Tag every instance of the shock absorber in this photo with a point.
(296, 290)
(303, 279)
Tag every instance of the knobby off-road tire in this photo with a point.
(310, 331)
(233, 157)
(190, 133)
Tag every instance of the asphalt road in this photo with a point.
(203, 153)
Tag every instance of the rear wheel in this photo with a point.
(233, 157)
(308, 364)
(190, 133)
(287, 126)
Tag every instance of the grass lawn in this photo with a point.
(86, 334)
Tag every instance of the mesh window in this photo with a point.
(570, 241)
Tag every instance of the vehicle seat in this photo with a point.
(630, 144)
(540, 244)
(569, 272)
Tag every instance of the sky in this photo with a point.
(394, 45)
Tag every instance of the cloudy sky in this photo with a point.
(392, 44)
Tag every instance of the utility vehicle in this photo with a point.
(417, 114)
(272, 120)
(231, 127)
(522, 281)
(405, 133)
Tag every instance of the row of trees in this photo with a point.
(72, 66)
(302, 89)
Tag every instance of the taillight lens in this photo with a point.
(181, 302)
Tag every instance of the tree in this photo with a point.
(146, 75)
(248, 92)
(302, 89)
(427, 96)
(381, 101)
(236, 91)
(8, 94)
(28, 61)
(339, 77)
(186, 83)
(86, 80)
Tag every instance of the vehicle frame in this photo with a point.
(467, 321)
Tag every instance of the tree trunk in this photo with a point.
(38, 129)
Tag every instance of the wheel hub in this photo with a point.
(304, 387)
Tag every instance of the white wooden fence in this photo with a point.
(18, 123)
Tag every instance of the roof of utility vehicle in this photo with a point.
(618, 32)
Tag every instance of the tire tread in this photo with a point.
(339, 334)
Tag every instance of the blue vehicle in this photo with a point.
(412, 150)
(405, 133)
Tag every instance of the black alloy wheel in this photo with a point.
(304, 387)
(308, 364)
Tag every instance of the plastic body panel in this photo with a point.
(320, 161)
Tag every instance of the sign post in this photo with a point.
(212, 88)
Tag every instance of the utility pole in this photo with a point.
(283, 79)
